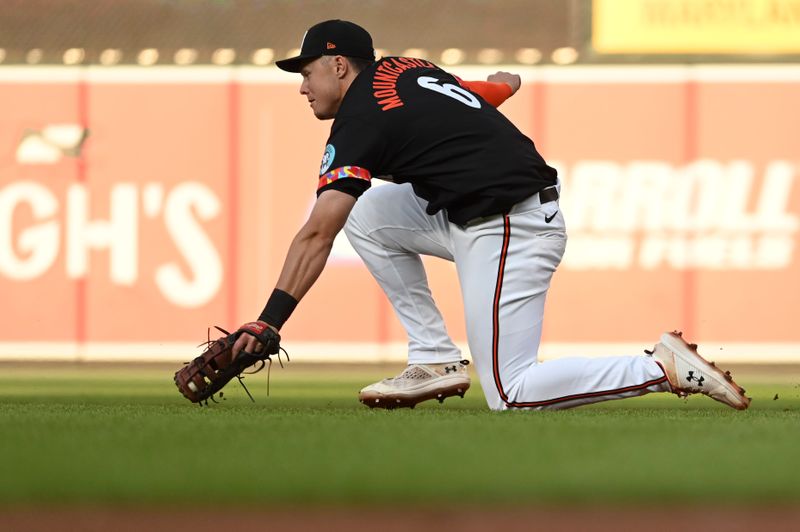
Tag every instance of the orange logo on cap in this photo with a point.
(331, 46)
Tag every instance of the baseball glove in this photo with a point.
(207, 374)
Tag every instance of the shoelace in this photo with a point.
(240, 377)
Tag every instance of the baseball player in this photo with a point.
(470, 188)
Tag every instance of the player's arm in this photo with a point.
(309, 251)
(497, 88)
(304, 261)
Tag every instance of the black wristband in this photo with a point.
(278, 309)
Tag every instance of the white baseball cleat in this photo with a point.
(690, 373)
(417, 383)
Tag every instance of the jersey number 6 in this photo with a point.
(448, 89)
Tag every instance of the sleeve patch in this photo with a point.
(327, 158)
(344, 172)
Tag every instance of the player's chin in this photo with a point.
(322, 114)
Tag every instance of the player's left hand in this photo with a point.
(512, 80)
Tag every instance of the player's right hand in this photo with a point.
(246, 343)
(512, 80)
(254, 337)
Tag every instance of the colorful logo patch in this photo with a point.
(327, 158)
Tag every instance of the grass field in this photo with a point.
(88, 434)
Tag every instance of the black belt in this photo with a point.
(546, 195)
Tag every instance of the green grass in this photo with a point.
(124, 435)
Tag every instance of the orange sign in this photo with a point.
(138, 207)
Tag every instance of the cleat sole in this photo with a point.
(411, 399)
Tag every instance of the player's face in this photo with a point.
(322, 87)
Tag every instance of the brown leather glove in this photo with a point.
(207, 374)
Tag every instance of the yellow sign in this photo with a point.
(696, 26)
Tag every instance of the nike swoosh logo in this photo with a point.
(548, 219)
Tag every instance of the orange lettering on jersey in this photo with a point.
(403, 66)
(389, 70)
(413, 62)
(389, 78)
(408, 62)
(384, 80)
(391, 103)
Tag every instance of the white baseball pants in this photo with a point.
(504, 266)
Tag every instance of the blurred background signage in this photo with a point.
(696, 26)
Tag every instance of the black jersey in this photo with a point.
(407, 120)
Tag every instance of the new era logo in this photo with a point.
(330, 46)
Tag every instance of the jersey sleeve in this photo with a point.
(352, 156)
(495, 93)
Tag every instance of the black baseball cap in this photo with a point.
(332, 37)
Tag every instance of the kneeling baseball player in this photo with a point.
(470, 188)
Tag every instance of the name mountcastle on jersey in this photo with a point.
(406, 120)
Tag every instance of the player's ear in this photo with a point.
(342, 66)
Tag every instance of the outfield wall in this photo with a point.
(679, 190)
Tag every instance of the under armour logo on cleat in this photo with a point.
(691, 378)
(450, 369)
